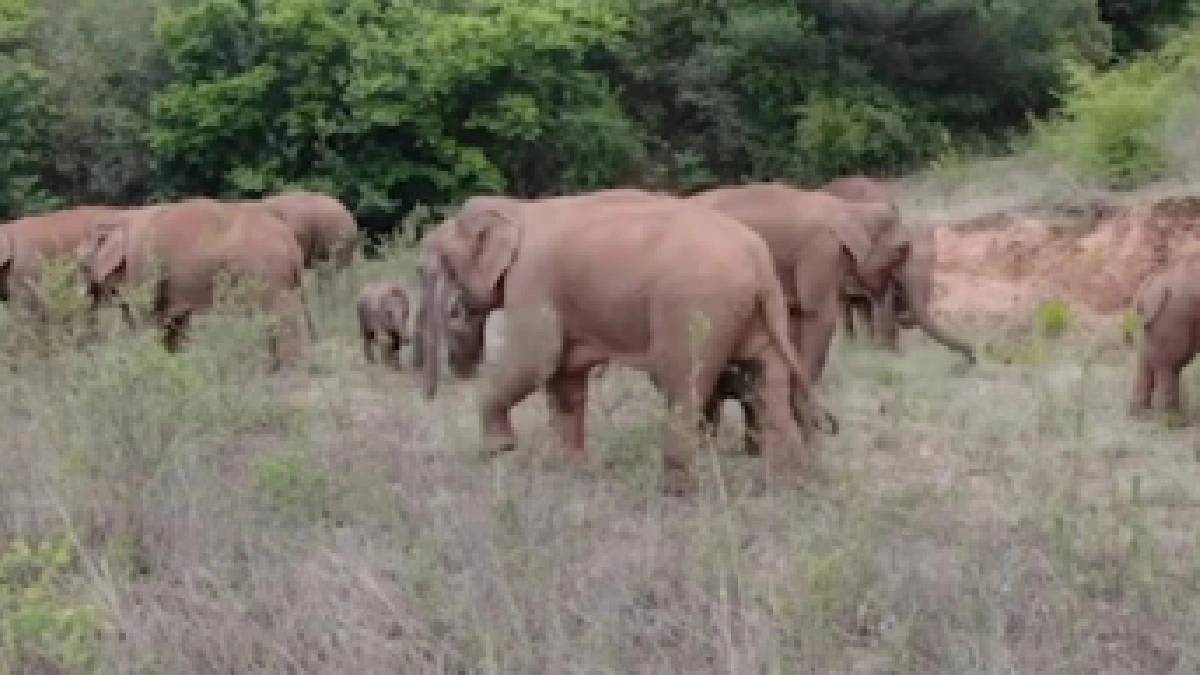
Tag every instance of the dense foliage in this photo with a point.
(1134, 123)
(387, 104)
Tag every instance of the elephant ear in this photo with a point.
(883, 264)
(491, 237)
(107, 253)
(855, 244)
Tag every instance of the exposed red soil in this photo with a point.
(1009, 265)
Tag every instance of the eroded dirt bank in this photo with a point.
(1004, 268)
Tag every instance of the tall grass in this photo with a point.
(192, 513)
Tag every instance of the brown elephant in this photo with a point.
(443, 319)
(816, 241)
(1168, 306)
(26, 243)
(182, 250)
(671, 289)
(383, 313)
(907, 302)
(861, 188)
(462, 328)
(324, 227)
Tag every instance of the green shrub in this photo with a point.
(39, 620)
(1052, 319)
(1113, 124)
(293, 487)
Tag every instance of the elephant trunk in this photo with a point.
(433, 300)
(925, 321)
(418, 332)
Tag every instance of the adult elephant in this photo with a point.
(181, 250)
(324, 228)
(908, 301)
(26, 244)
(1168, 307)
(816, 241)
(443, 318)
(671, 289)
(448, 319)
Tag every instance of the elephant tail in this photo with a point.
(1151, 299)
(775, 313)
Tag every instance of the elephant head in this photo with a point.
(103, 261)
(883, 264)
(467, 255)
(464, 337)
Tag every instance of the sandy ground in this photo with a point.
(1010, 265)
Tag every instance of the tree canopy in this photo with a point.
(387, 104)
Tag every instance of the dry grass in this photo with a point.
(1011, 518)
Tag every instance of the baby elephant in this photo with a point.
(1168, 306)
(383, 311)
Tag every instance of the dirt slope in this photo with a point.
(1008, 266)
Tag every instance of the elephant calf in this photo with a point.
(1168, 305)
(383, 312)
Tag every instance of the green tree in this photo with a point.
(102, 66)
(1140, 25)
(25, 115)
(388, 105)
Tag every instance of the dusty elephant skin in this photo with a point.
(182, 249)
(1168, 306)
(26, 243)
(383, 315)
(907, 303)
(443, 316)
(817, 243)
(324, 227)
(696, 292)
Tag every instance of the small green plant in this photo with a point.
(40, 622)
(1131, 327)
(1052, 319)
(293, 487)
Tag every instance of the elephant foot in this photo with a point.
(752, 447)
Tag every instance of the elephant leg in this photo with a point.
(883, 321)
(1166, 388)
(393, 349)
(368, 338)
(533, 346)
(732, 384)
(812, 335)
(687, 368)
(174, 332)
(418, 339)
(567, 392)
(1143, 385)
(847, 305)
(753, 427)
(711, 422)
(781, 438)
(286, 335)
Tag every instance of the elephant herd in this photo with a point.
(181, 251)
(729, 294)
(733, 293)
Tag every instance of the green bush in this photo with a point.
(40, 622)
(1052, 319)
(294, 488)
(1113, 124)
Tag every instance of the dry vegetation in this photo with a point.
(191, 514)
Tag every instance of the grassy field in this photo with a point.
(192, 514)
